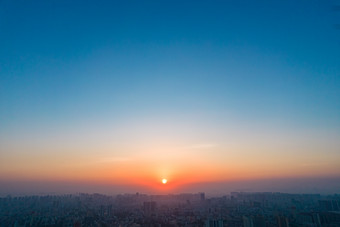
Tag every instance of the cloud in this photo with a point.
(312, 164)
(202, 146)
(114, 159)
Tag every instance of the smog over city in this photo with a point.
(170, 113)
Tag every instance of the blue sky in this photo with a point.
(272, 58)
(86, 64)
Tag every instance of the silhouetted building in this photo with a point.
(309, 219)
(213, 223)
(202, 196)
(149, 207)
(257, 221)
(329, 205)
(282, 221)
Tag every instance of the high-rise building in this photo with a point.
(213, 223)
(282, 221)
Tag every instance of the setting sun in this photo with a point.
(164, 181)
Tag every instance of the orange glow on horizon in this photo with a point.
(148, 168)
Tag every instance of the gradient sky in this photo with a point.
(132, 92)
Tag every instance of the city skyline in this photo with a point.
(101, 94)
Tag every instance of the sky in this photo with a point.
(197, 92)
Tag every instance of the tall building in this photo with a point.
(213, 223)
(202, 196)
(257, 221)
(149, 207)
(282, 221)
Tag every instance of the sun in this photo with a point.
(164, 181)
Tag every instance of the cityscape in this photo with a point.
(170, 113)
(246, 209)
